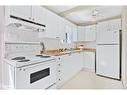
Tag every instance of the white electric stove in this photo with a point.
(25, 68)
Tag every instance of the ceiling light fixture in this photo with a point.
(95, 13)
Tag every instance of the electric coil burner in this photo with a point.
(25, 60)
(20, 59)
(43, 56)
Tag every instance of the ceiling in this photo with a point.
(85, 15)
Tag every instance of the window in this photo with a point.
(68, 34)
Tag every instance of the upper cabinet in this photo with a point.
(51, 25)
(81, 33)
(71, 33)
(87, 33)
(109, 25)
(21, 11)
(38, 14)
(74, 34)
(32, 13)
(68, 34)
(90, 33)
(55, 25)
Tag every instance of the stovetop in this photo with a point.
(19, 61)
(26, 59)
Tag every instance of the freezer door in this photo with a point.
(108, 61)
(108, 37)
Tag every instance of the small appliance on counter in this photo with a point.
(81, 47)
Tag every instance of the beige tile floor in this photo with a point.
(89, 80)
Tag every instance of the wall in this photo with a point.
(124, 46)
(87, 44)
(51, 43)
(1, 40)
(54, 43)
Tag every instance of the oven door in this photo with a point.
(39, 76)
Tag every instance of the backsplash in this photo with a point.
(54, 43)
(86, 44)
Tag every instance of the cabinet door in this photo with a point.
(76, 61)
(21, 11)
(102, 26)
(90, 33)
(115, 24)
(61, 29)
(71, 65)
(89, 61)
(38, 14)
(110, 25)
(68, 30)
(66, 68)
(81, 33)
(74, 34)
(51, 25)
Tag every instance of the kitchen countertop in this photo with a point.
(59, 52)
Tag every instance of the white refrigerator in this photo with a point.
(108, 54)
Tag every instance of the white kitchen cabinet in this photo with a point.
(61, 28)
(74, 34)
(51, 25)
(89, 61)
(90, 33)
(77, 60)
(68, 30)
(109, 25)
(38, 14)
(71, 33)
(68, 66)
(32, 13)
(81, 33)
(87, 33)
(21, 11)
(115, 24)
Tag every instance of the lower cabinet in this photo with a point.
(89, 61)
(68, 66)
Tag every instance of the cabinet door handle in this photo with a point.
(29, 17)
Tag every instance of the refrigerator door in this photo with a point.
(108, 37)
(108, 61)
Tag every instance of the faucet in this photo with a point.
(43, 46)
